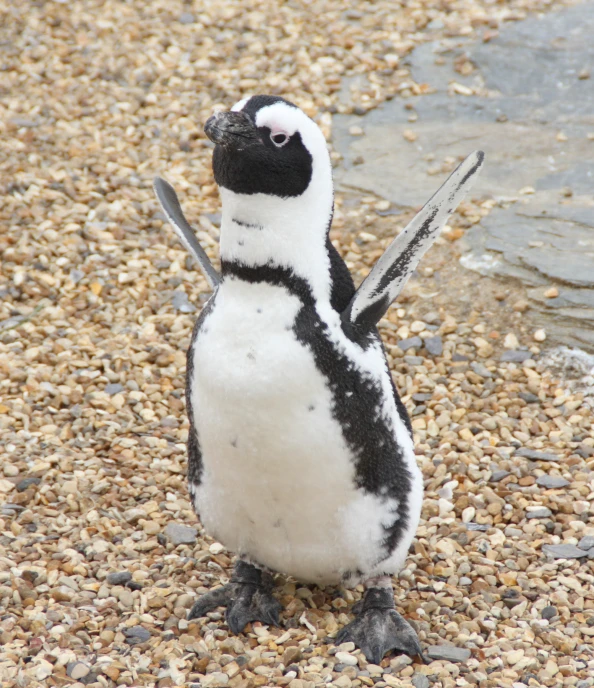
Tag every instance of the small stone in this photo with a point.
(180, 302)
(291, 654)
(496, 476)
(114, 388)
(118, 577)
(420, 681)
(22, 485)
(565, 551)
(449, 653)
(480, 369)
(414, 360)
(136, 635)
(342, 682)
(216, 548)
(551, 482)
(410, 343)
(539, 512)
(6, 486)
(434, 345)
(551, 293)
(355, 130)
(418, 326)
(529, 398)
(515, 356)
(549, 612)
(533, 455)
(215, 680)
(186, 18)
(410, 135)
(77, 670)
(539, 336)
(346, 658)
(179, 534)
(587, 542)
(511, 341)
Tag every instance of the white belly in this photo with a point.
(278, 478)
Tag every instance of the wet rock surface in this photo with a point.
(527, 99)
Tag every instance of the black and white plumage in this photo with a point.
(301, 456)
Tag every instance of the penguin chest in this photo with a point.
(278, 479)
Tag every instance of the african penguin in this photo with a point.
(300, 451)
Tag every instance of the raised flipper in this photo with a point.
(396, 265)
(172, 209)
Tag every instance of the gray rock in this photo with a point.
(480, 369)
(76, 275)
(585, 683)
(414, 360)
(529, 398)
(119, 577)
(136, 635)
(449, 653)
(587, 542)
(434, 345)
(179, 534)
(186, 18)
(114, 388)
(549, 612)
(180, 302)
(551, 482)
(465, 581)
(496, 476)
(541, 512)
(410, 343)
(512, 356)
(533, 455)
(564, 551)
(477, 526)
(420, 681)
(22, 485)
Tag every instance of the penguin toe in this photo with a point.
(378, 631)
(252, 604)
(211, 600)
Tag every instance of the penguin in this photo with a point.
(300, 451)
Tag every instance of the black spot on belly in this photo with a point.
(234, 442)
(258, 310)
(277, 524)
(251, 356)
(311, 407)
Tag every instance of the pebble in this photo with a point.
(180, 302)
(511, 341)
(496, 476)
(541, 512)
(549, 612)
(346, 658)
(77, 670)
(450, 653)
(136, 635)
(434, 345)
(515, 356)
(114, 388)
(118, 578)
(526, 453)
(420, 681)
(23, 485)
(414, 360)
(539, 336)
(179, 534)
(551, 293)
(587, 542)
(565, 551)
(410, 343)
(552, 482)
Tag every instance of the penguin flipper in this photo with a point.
(391, 272)
(171, 207)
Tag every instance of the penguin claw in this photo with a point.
(377, 631)
(220, 597)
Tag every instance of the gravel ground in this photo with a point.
(100, 552)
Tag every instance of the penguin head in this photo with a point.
(266, 145)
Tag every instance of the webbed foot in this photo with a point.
(379, 628)
(248, 597)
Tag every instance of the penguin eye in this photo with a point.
(279, 140)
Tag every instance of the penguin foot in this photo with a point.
(379, 628)
(248, 597)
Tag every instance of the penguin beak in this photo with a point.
(231, 129)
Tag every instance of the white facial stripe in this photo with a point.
(240, 105)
